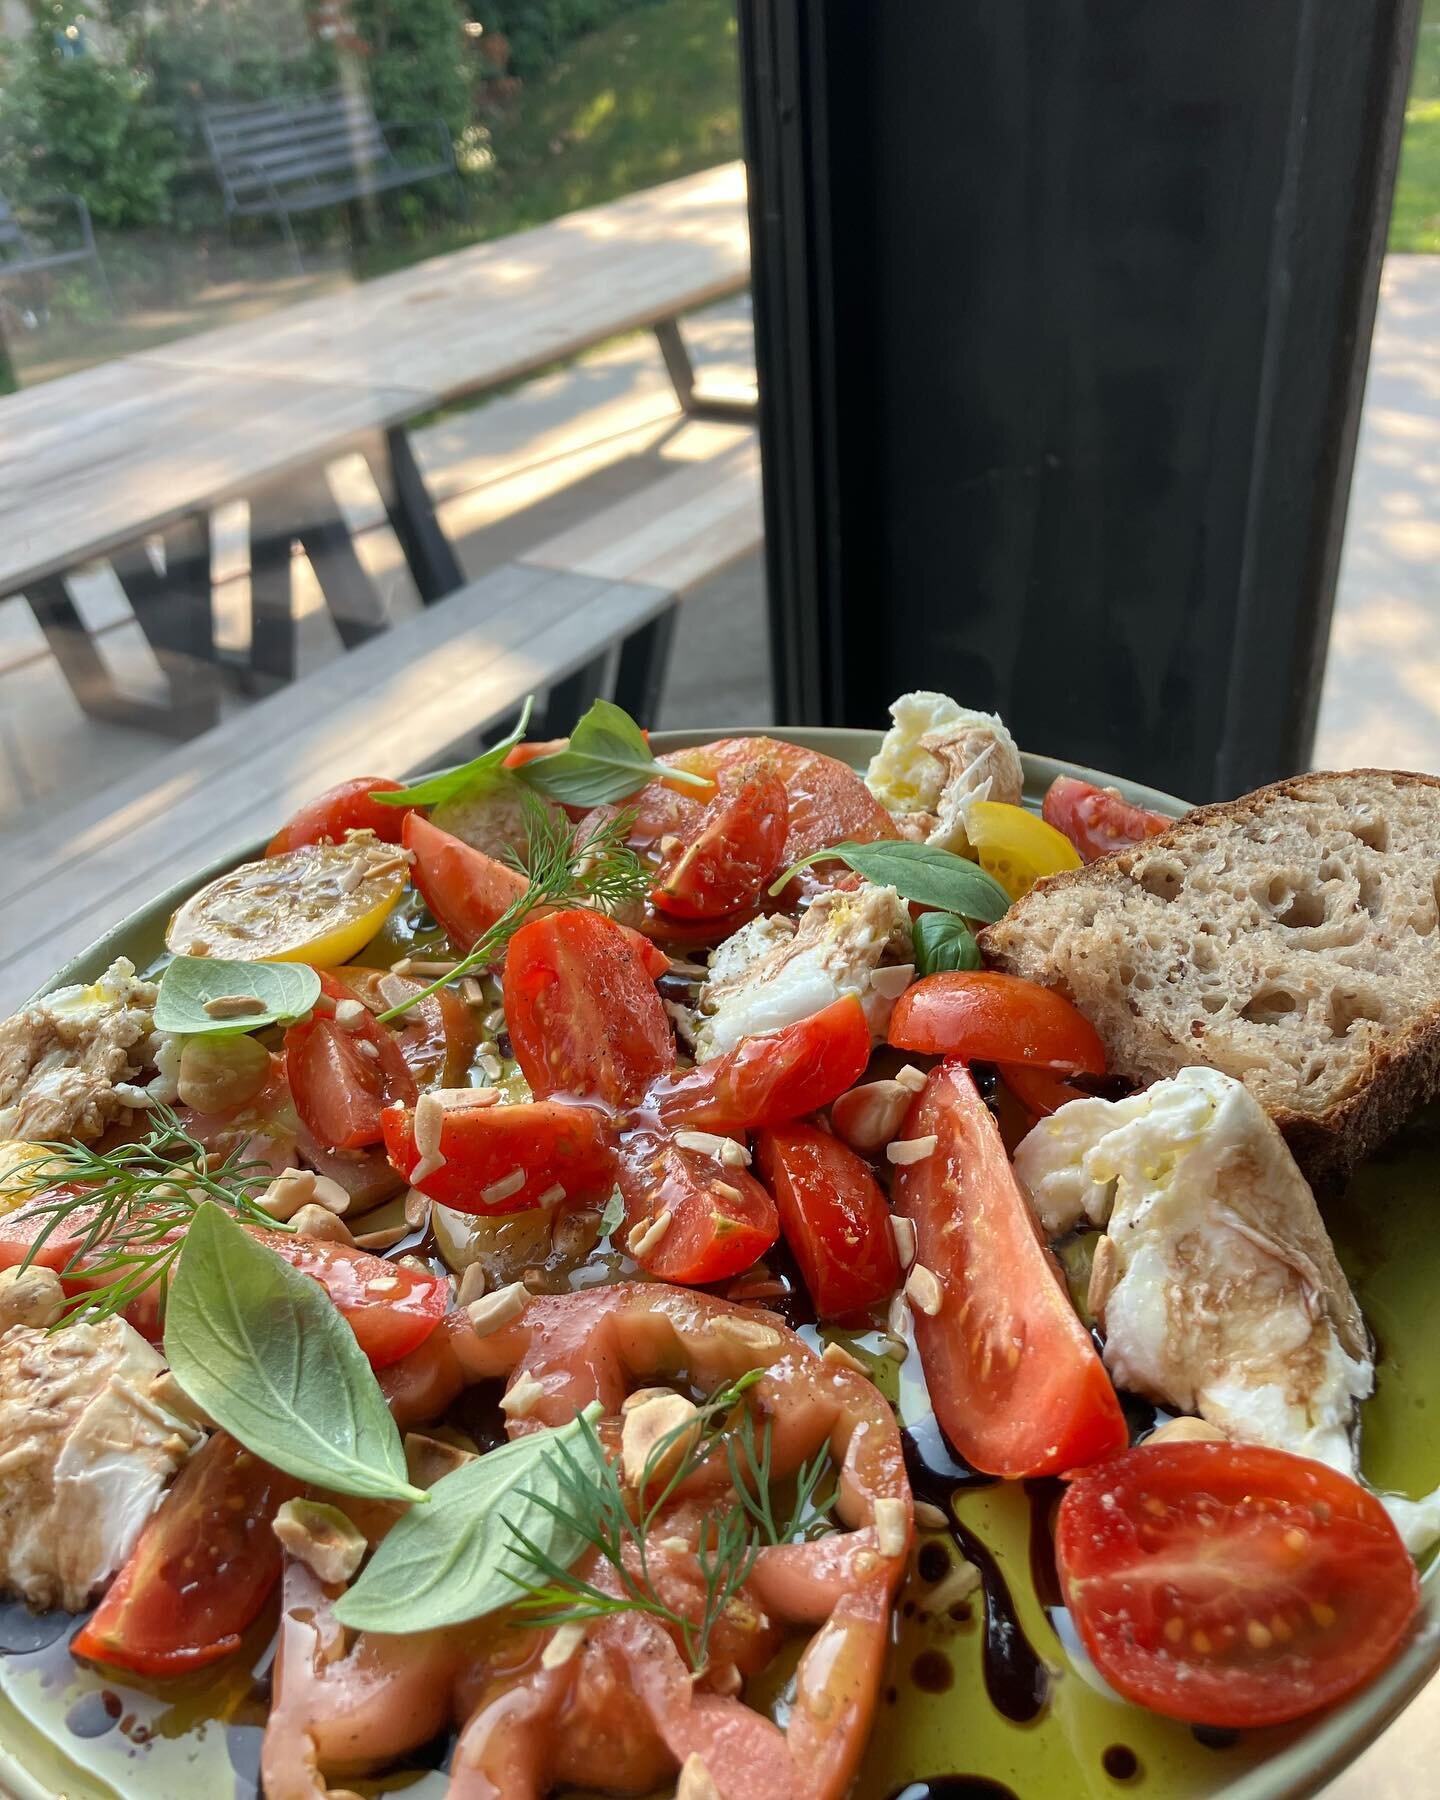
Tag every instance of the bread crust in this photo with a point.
(1401, 1073)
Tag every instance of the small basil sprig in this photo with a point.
(265, 1352)
(286, 991)
(483, 771)
(917, 872)
(607, 758)
(943, 941)
(613, 1216)
(459, 1559)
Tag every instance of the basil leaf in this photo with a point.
(480, 773)
(263, 1349)
(458, 1558)
(944, 942)
(613, 1216)
(606, 759)
(286, 991)
(918, 872)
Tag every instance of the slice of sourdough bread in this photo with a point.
(1290, 938)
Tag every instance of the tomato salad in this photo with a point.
(471, 1218)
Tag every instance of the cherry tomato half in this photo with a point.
(833, 1215)
(1232, 1585)
(465, 889)
(984, 1016)
(582, 1011)
(721, 1219)
(347, 807)
(201, 1571)
(552, 1143)
(339, 1088)
(770, 1079)
(735, 849)
(1095, 819)
(1015, 1381)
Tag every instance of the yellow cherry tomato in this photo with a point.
(320, 904)
(1015, 846)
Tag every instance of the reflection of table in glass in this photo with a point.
(93, 464)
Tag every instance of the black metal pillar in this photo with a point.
(1062, 314)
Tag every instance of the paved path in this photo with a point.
(1381, 700)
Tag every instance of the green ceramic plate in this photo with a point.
(938, 1734)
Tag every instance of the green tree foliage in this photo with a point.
(536, 31)
(415, 60)
(72, 123)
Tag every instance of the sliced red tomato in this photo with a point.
(834, 1217)
(553, 1143)
(1040, 1091)
(1232, 1585)
(523, 753)
(582, 1011)
(735, 849)
(771, 1079)
(721, 1219)
(387, 1324)
(201, 1572)
(827, 802)
(984, 1016)
(1013, 1376)
(1096, 820)
(437, 1037)
(656, 962)
(465, 889)
(339, 1088)
(348, 807)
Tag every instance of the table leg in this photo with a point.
(644, 663)
(89, 675)
(174, 612)
(434, 565)
(304, 508)
(695, 403)
(569, 698)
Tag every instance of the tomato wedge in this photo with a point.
(984, 1016)
(1014, 1378)
(582, 1011)
(770, 1079)
(1232, 1585)
(1096, 820)
(553, 1144)
(465, 889)
(735, 849)
(339, 1089)
(201, 1572)
(1039, 1091)
(387, 1325)
(834, 1217)
(437, 1037)
(721, 1219)
(347, 807)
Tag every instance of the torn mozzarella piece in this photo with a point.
(772, 973)
(937, 758)
(1227, 1299)
(65, 1058)
(85, 1454)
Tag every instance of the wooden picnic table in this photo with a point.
(93, 464)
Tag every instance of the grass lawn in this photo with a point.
(652, 96)
(1415, 221)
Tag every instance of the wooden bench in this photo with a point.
(413, 698)
(281, 157)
